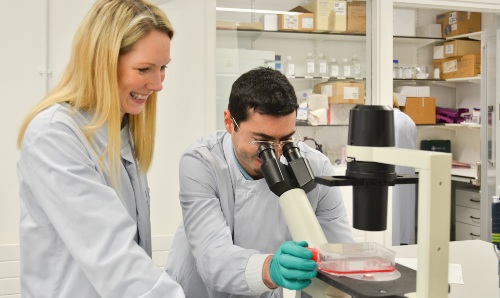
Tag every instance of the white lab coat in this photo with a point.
(80, 236)
(232, 224)
(403, 202)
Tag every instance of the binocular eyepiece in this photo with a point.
(280, 177)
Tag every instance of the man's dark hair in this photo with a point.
(265, 90)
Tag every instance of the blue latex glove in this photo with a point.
(291, 267)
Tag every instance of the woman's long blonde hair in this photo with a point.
(90, 81)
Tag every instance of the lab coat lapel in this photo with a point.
(141, 193)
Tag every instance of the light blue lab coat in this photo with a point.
(231, 221)
(80, 236)
(403, 203)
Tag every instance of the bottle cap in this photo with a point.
(315, 254)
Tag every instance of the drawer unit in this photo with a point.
(466, 232)
(468, 198)
(468, 216)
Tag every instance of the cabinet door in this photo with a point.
(490, 124)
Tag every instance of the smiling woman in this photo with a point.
(85, 150)
(142, 71)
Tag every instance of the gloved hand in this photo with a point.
(291, 267)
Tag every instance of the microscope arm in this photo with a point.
(433, 210)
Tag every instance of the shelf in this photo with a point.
(473, 36)
(419, 41)
(291, 35)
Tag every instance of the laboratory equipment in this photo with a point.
(322, 66)
(310, 65)
(369, 170)
(354, 258)
(495, 229)
(346, 68)
(356, 67)
(334, 68)
(289, 67)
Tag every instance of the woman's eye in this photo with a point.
(163, 67)
(143, 70)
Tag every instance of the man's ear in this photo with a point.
(228, 121)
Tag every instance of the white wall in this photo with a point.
(186, 108)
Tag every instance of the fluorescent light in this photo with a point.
(257, 10)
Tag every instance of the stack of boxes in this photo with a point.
(419, 105)
(342, 97)
(321, 16)
(458, 58)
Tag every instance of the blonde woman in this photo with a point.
(85, 150)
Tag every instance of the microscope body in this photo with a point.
(372, 160)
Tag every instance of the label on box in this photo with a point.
(340, 8)
(450, 66)
(351, 92)
(291, 22)
(302, 114)
(448, 49)
(452, 18)
(308, 23)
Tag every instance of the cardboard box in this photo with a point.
(288, 22)
(303, 22)
(356, 17)
(456, 48)
(459, 67)
(455, 23)
(404, 20)
(321, 10)
(337, 21)
(342, 92)
(429, 30)
(422, 110)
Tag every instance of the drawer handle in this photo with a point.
(474, 235)
(476, 218)
(475, 201)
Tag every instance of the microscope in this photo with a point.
(370, 170)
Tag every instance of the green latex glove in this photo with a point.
(291, 267)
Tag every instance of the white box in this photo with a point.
(303, 94)
(429, 30)
(404, 22)
(401, 99)
(413, 91)
(270, 22)
(339, 113)
(317, 101)
(438, 52)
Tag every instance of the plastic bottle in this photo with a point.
(355, 67)
(397, 70)
(346, 68)
(310, 63)
(277, 63)
(322, 66)
(289, 67)
(395, 66)
(334, 68)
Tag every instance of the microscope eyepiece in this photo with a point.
(291, 151)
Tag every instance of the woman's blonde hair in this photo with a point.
(90, 81)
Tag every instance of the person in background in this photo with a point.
(403, 202)
(85, 150)
(234, 240)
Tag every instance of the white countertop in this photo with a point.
(479, 267)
